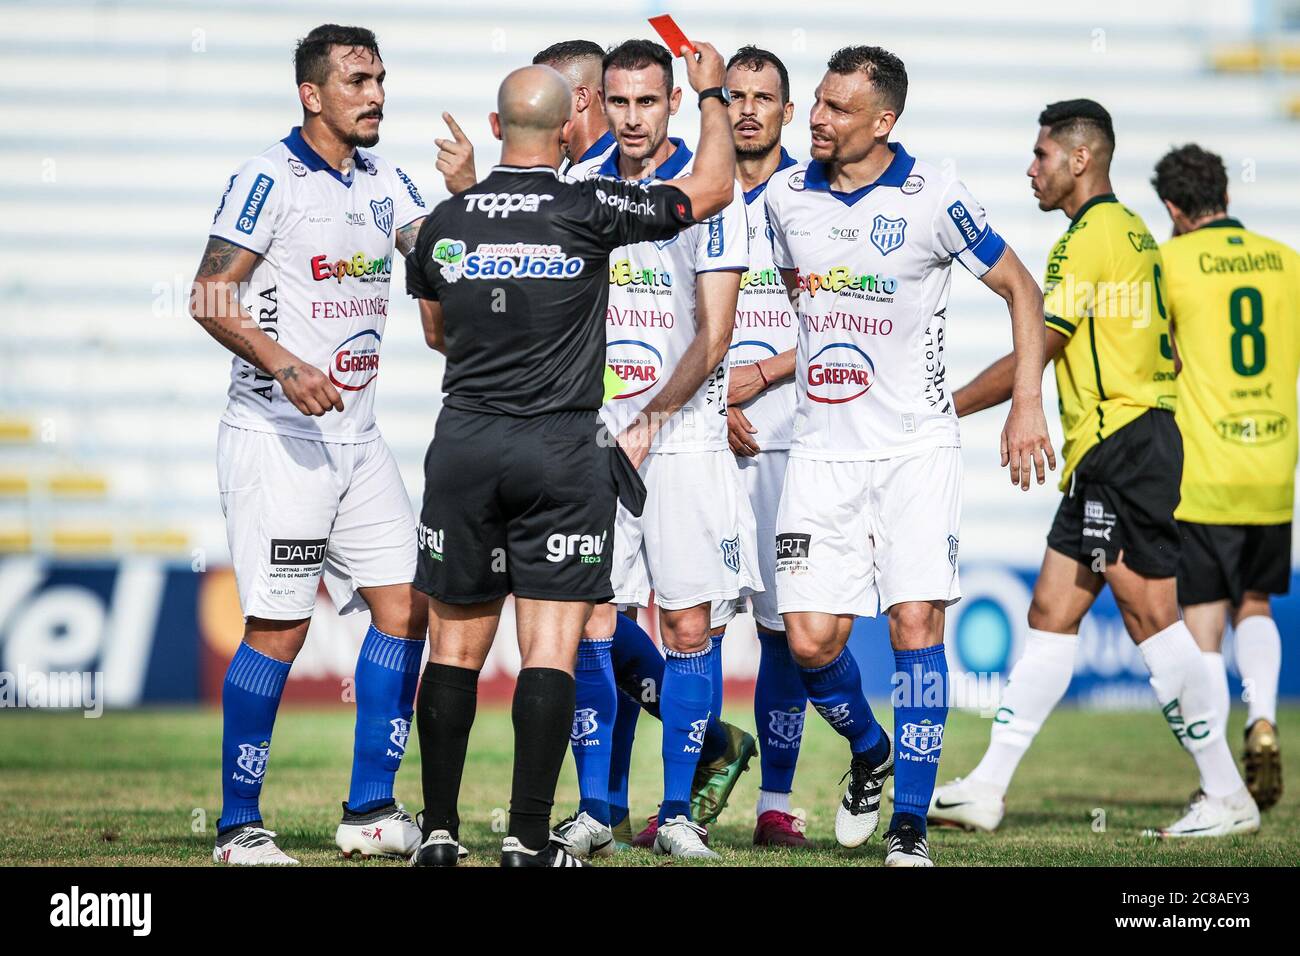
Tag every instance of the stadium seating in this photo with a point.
(124, 129)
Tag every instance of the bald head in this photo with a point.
(533, 103)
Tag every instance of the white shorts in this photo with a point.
(694, 542)
(297, 508)
(854, 536)
(763, 477)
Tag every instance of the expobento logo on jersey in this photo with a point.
(637, 363)
(359, 266)
(839, 279)
(587, 548)
(839, 373)
(650, 279)
(356, 361)
(503, 204)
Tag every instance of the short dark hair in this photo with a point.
(754, 58)
(312, 55)
(1193, 179)
(1077, 116)
(885, 71)
(637, 55)
(566, 51)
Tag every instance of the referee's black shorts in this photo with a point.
(1122, 498)
(1224, 561)
(521, 506)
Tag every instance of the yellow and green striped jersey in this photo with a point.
(1103, 292)
(1234, 299)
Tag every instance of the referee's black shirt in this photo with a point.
(520, 266)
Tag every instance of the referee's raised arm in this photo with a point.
(710, 183)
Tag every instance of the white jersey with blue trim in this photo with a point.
(597, 150)
(874, 270)
(650, 319)
(320, 287)
(765, 325)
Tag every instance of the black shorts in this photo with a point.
(1122, 497)
(1224, 561)
(521, 506)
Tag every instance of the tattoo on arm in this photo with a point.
(217, 257)
(406, 236)
(287, 374)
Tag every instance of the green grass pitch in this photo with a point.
(142, 788)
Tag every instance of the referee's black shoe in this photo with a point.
(514, 853)
(439, 848)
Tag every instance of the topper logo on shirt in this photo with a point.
(838, 373)
(356, 361)
(637, 363)
(505, 203)
(887, 234)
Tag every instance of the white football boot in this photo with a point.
(587, 837)
(250, 846)
(905, 846)
(681, 837)
(388, 831)
(858, 814)
(969, 804)
(1213, 817)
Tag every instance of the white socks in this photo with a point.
(1219, 686)
(771, 800)
(1037, 683)
(1259, 660)
(1182, 683)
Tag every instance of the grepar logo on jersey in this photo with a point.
(637, 363)
(504, 204)
(356, 361)
(359, 266)
(749, 351)
(587, 548)
(838, 373)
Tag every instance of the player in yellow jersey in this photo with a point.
(1108, 334)
(1234, 300)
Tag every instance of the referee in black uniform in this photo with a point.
(513, 281)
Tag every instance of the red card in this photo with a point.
(672, 34)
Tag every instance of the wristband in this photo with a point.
(759, 366)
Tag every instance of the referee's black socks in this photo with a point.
(444, 714)
(543, 718)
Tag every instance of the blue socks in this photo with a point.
(620, 760)
(684, 709)
(388, 669)
(835, 690)
(920, 709)
(779, 705)
(249, 698)
(593, 727)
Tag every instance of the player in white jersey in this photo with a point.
(760, 412)
(669, 320)
(295, 283)
(865, 237)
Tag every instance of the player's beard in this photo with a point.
(355, 138)
(755, 149)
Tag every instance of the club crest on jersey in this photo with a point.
(252, 758)
(383, 210)
(887, 234)
(584, 723)
(731, 553)
(924, 738)
(952, 550)
(787, 725)
(401, 733)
